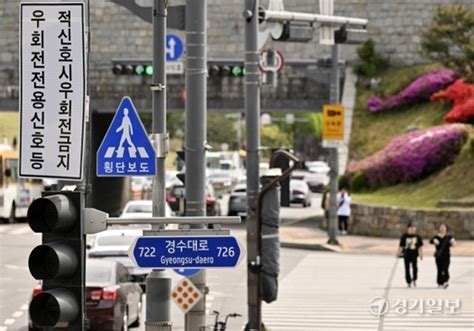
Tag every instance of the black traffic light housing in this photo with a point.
(59, 261)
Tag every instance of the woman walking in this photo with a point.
(411, 245)
(443, 241)
(344, 210)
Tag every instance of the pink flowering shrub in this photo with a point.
(420, 89)
(412, 156)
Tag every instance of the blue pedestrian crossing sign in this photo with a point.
(126, 149)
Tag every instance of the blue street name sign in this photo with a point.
(126, 149)
(186, 252)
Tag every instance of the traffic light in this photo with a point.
(59, 261)
(137, 68)
(225, 68)
(350, 36)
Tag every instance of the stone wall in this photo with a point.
(395, 25)
(391, 222)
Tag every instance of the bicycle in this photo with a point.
(222, 326)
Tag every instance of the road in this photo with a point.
(318, 290)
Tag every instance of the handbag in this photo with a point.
(402, 254)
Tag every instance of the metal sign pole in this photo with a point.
(333, 153)
(195, 139)
(158, 289)
(252, 119)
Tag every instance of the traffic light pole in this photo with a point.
(334, 96)
(252, 120)
(195, 138)
(158, 284)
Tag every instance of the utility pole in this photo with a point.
(158, 284)
(334, 96)
(195, 137)
(252, 120)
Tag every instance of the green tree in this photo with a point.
(274, 137)
(450, 38)
(370, 61)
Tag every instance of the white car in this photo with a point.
(300, 192)
(319, 167)
(113, 244)
(142, 209)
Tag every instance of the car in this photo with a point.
(221, 180)
(238, 200)
(300, 192)
(176, 200)
(113, 244)
(319, 167)
(142, 209)
(113, 302)
(316, 181)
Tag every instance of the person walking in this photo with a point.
(411, 247)
(443, 242)
(344, 210)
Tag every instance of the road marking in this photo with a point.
(22, 230)
(9, 321)
(17, 314)
(4, 228)
(24, 307)
(3, 328)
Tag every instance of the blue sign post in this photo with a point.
(174, 47)
(126, 149)
(186, 252)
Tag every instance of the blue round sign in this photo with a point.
(187, 272)
(174, 47)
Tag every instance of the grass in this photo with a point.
(9, 126)
(370, 132)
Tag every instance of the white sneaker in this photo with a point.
(409, 284)
(445, 286)
(414, 284)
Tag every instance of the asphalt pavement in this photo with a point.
(318, 290)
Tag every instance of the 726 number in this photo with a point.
(225, 252)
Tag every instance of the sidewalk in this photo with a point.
(305, 234)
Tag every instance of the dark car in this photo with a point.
(238, 200)
(175, 199)
(112, 301)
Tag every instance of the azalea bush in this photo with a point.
(461, 95)
(420, 89)
(412, 156)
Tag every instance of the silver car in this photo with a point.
(238, 200)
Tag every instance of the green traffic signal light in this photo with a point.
(149, 70)
(139, 69)
(237, 71)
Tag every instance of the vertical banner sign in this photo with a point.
(52, 90)
(333, 125)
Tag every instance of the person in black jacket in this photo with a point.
(443, 241)
(411, 245)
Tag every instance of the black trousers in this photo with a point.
(442, 263)
(411, 260)
(343, 222)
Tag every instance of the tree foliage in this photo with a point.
(450, 38)
(370, 61)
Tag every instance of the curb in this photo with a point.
(311, 247)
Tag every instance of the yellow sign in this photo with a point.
(333, 122)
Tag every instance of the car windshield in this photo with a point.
(98, 274)
(118, 240)
(142, 208)
(178, 191)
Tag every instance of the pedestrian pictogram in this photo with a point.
(126, 149)
(186, 295)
